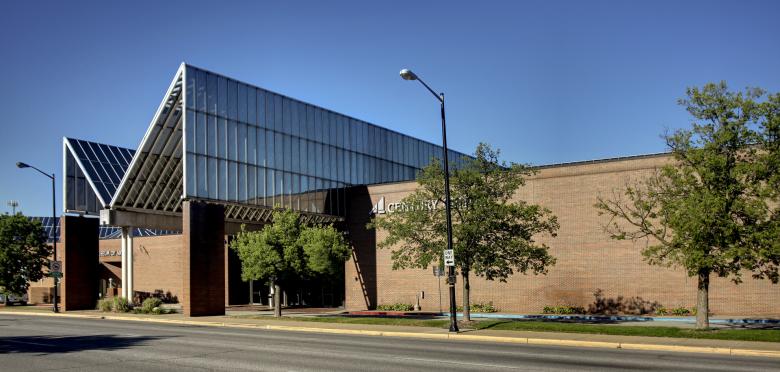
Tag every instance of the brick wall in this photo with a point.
(588, 260)
(157, 264)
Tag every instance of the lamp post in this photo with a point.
(409, 75)
(13, 204)
(53, 221)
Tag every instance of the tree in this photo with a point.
(286, 249)
(494, 236)
(714, 210)
(23, 252)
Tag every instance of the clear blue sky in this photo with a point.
(544, 81)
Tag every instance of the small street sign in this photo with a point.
(56, 274)
(449, 257)
(438, 271)
(55, 266)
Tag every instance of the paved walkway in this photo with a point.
(542, 338)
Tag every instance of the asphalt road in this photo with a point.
(30, 343)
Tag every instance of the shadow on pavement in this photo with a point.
(42, 345)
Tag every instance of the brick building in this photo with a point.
(588, 261)
(220, 153)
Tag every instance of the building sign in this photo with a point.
(110, 253)
(382, 207)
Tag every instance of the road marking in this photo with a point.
(459, 363)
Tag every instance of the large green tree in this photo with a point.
(714, 209)
(494, 234)
(23, 252)
(287, 249)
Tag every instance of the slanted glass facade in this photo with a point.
(103, 166)
(248, 145)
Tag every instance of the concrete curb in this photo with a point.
(434, 336)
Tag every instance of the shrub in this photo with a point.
(121, 305)
(563, 310)
(395, 307)
(681, 311)
(150, 304)
(105, 304)
(661, 311)
(480, 308)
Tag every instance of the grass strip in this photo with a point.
(765, 335)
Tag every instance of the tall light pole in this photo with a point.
(53, 221)
(409, 75)
(13, 204)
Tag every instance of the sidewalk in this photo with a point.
(723, 347)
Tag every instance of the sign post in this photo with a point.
(55, 269)
(438, 272)
(449, 257)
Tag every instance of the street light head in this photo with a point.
(22, 165)
(407, 74)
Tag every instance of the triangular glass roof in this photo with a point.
(102, 165)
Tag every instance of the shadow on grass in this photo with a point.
(50, 344)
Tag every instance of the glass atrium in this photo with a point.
(217, 139)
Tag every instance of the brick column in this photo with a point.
(203, 259)
(79, 253)
(360, 272)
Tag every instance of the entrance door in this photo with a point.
(258, 292)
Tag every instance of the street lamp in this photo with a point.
(407, 74)
(13, 204)
(53, 221)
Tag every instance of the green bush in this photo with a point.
(681, 311)
(151, 305)
(121, 305)
(105, 304)
(395, 307)
(661, 311)
(563, 310)
(480, 308)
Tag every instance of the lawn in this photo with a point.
(765, 335)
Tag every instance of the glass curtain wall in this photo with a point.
(251, 146)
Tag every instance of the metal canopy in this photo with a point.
(153, 181)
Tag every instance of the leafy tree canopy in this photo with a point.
(287, 249)
(494, 234)
(715, 208)
(23, 252)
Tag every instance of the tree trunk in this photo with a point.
(466, 301)
(703, 300)
(277, 300)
